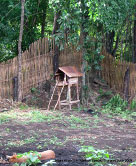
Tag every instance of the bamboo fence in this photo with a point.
(113, 72)
(37, 66)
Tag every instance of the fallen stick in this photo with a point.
(49, 154)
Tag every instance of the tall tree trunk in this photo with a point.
(134, 38)
(55, 24)
(43, 25)
(56, 53)
(109, 41)
(84, 35)
(20, 52)
(43, 6)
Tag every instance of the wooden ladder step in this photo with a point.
(52, 96)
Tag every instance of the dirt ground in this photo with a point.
(34, 128)
(65, 132)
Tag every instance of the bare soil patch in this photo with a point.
(65, 132)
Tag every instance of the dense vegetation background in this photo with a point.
(111, 22)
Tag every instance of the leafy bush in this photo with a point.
(132, 164)
(33, 159)
(34, 90)
(4, 118)
(96, 157)
(133, 105)
(103, 94)
(116, 105)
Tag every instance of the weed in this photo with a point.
(29, 140)
(133, 163)
(37, 116)
(103, 94)
(133, 105)
(23, 107)
(96, 116)
(7, 116)
(7, 130)
(96, 157)
(15, 143)
(55, 141)
(76, 122)
(39, 147)
(32, 158)
(73, 126)
(116, 105)
(34, 90)
(45, 144)
(18, 143)
(76, 119)
(4, 119)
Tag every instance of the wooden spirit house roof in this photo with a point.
(70, 71)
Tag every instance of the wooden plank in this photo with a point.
(76, 101)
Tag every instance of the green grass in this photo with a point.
(74, 140)
(55, 141)
(23, 107)
(6, 117)
(36, 116)
(18, 143)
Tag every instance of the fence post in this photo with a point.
(126, 84)
(15, 88)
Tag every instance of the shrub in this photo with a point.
(96, 157)
(116, 105)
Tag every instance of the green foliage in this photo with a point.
(96, 17)
(34, 90)
(116, 105)
(111, 13)
(133, 163)
(104, 94)
(36, 12)
(55, 141)
(133, 105)
(4, 118)
(37, 116)
(33, 159)
(23, 107)
(95, 157)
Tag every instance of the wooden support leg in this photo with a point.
(59, 98)
(78, 95)
(69, 95)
